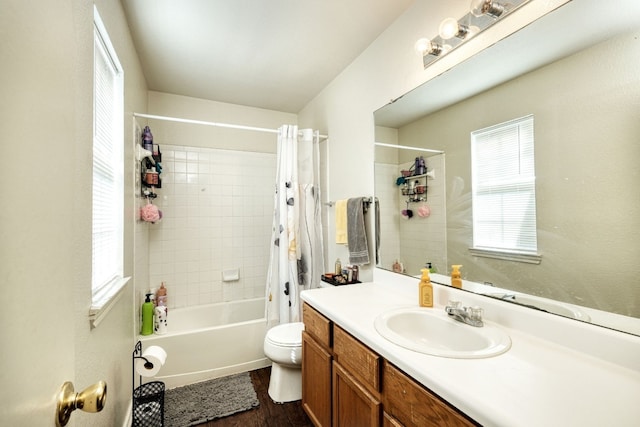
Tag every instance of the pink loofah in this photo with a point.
(150, 213)
(424, 211)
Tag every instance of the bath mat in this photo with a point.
(205, 401)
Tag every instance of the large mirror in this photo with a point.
(577, 72)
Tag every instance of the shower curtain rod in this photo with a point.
(202, 122)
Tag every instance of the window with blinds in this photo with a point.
(503, 181)
(108, 163)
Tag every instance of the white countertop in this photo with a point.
(538, 382)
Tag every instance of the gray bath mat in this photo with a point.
(201, 402)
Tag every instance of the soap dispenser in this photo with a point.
(425, 289)
(456, 278)
(147, 316)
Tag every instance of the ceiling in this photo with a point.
(272, 54)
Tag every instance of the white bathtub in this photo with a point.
(211, 341)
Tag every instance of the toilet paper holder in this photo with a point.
(148, 396)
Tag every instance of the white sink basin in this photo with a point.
(432, 331)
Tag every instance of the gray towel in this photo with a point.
(356, 232)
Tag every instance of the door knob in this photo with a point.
(91, 399)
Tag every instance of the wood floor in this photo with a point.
(268, 414)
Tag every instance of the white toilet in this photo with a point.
(283, 345)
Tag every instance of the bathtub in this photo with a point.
(211, 341)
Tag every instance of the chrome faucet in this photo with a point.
(469, 315)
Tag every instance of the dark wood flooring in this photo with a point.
(268, 414)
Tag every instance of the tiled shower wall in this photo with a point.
(217, 210)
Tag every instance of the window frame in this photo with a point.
(109, 290)
(523, 182)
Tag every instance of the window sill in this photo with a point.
(104, 302)
(507, 256)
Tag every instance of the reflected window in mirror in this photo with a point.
(503, 183)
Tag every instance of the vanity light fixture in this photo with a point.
(454, 32)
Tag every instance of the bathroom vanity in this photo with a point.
(556, 371)
(342, 380)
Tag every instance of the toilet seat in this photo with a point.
(286, 335)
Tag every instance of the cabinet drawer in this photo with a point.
(413, 405)
(357, 358)
(317, 325)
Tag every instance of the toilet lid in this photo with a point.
(287, 334)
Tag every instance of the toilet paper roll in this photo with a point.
(155, 357)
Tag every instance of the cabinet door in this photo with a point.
(316, 381)
(389, 421)
(353, 405)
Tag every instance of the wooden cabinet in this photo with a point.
(316, 381)
(410, 404)
(346, 384)
(356, 382)
(353, 404)
(317, 358)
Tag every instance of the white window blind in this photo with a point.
(108, 162)
(503, 180)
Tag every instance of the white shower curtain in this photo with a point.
(297, 258)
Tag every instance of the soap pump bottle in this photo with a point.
(425, 290)
(147, 316)
(456, 278)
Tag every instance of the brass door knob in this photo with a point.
(91, 399)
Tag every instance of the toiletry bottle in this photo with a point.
(422, 167)
(425, 290)
(161, 296)
(456, 278)
(397, 267)
(147, 139)
(147, 317)
(338, 269)
(151, 176)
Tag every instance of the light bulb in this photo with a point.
(448, 28)
(427, 47)
(422, 46)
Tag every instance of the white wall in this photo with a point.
(46, 179)
(386, 70)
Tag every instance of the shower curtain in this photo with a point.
(297, 259)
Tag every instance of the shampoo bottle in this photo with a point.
(425, 290)
(161, 295)
(456, 279)
(147, 317)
